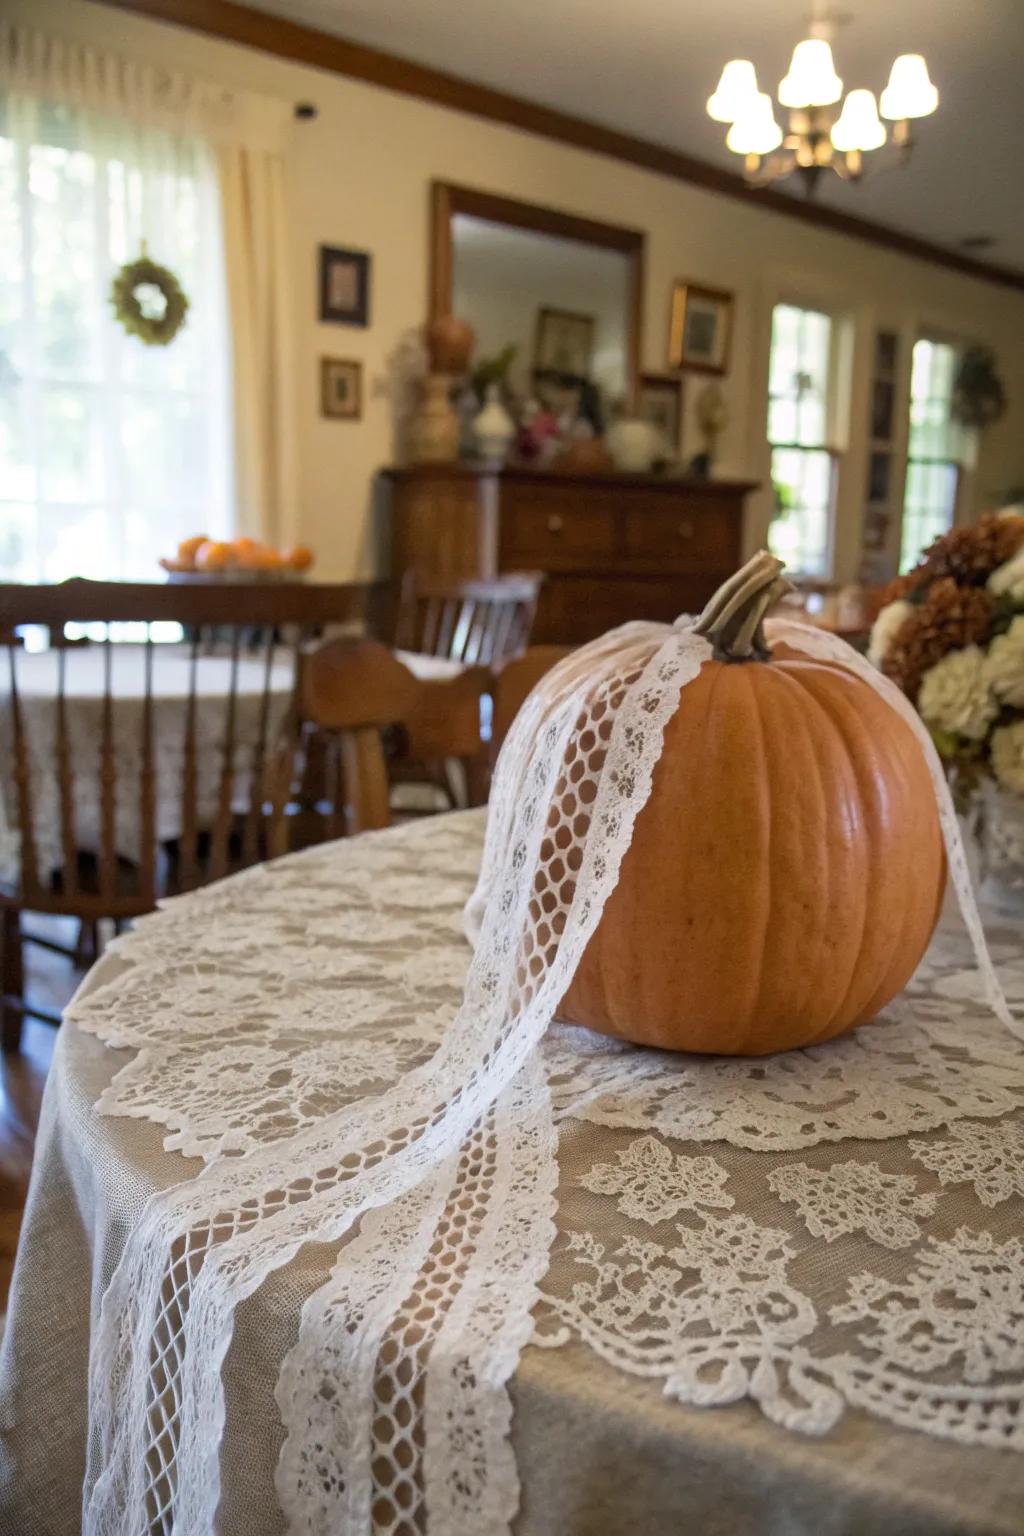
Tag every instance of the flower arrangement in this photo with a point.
(950, 633)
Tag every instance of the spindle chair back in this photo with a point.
(135, 770)
(480, 623)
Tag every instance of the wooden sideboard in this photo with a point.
(613, 547)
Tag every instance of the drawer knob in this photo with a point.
(555, 523)
(685, 530)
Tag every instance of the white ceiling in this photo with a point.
(647, 67)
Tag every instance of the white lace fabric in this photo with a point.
(300, 1029)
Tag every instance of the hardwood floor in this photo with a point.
(50, 982)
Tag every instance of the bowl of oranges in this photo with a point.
(242, 559)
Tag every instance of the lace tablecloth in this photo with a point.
(828, 1242)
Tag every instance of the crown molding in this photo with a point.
(324, 50)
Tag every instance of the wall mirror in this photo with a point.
(562, 291)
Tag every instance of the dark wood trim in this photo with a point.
(323, 50)
(447, 200)
(460, 470)
(286, 602)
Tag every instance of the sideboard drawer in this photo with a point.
(550, 532)
(681, 538)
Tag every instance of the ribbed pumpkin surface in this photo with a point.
(784, 877)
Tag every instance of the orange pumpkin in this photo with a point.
(786, 874)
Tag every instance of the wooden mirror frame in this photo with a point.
(447, 200)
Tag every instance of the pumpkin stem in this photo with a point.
(734, 617)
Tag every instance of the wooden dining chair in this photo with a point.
(514, 682)
(353, 693)
(476, 622)
(133, 771)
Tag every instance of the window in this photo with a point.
(798, 424)
(110, 450)
(934, 451)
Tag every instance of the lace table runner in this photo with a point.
(838, 1226)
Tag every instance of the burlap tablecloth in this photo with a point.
(599, 1453)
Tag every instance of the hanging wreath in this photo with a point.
(149, 301)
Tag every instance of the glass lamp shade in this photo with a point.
(812, 80)
(735, 90)
(858, 126)
(755, 131)
(910, 92)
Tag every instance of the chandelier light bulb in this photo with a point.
(910, 92)
(755, 131)
(735, 91)
(858, 126)
(812, 80)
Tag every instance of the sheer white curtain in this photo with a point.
(112, 451)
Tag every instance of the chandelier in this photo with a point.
(821, 134)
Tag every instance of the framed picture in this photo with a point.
(700, 328)
(564, 344)
(341, 388)
(660, 401)
(344, 286)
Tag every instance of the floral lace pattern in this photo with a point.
(991, 1157)
(654, 1184)
(854, 1197)
(309, 1030)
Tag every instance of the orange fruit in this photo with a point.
(189, 548)
(300, 558)
(213, 555)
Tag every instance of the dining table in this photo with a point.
(85, 673)
(830, 1193)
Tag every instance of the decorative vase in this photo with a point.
(634, 445)
(450, 342)
(493, 428)
(434, 434)
(998, 823)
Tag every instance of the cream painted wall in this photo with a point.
(360, 176)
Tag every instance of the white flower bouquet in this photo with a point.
(951, 634)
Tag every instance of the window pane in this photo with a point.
(111, 451)
(934, 450)
(802, 533)
(798, 411)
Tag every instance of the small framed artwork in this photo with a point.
(700, 328)
(341, 388)
(564, 344)
(660, 401)
(344, 286)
